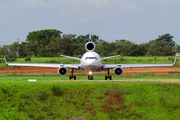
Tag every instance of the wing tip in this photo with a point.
(175, 61)
(5, 60)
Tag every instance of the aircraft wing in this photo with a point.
(106, 66)
(55, 65)
(76, 66)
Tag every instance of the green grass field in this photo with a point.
(46, 100)
(89, 100)
(23, 77)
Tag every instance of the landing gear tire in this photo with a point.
(109, 76)
(70, 77)
(90, 77)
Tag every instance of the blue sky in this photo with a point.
(138, 21)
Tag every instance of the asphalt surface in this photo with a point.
(122, 80)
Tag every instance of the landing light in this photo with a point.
(90, 72)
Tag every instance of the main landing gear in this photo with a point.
(72, 76)
(109, 76)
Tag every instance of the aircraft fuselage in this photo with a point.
(91, 61)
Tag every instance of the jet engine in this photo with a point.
(62, 71)
(90, 46)
(118, 71)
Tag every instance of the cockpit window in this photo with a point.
(91, 58)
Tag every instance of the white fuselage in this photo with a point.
(91, 61)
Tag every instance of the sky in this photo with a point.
(136, 20)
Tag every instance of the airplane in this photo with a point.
(91, 62)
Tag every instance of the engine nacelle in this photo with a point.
(62, 71)
(90, 46)
(118, 71)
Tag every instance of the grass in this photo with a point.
(92, 100)
(20, 99)
(22, 77)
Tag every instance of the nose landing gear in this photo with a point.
(90, 77)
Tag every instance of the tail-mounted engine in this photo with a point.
(90, 46)
(62, 71)
(118, 71)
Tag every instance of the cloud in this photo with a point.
(162, 2)
(128, 6)
(34, 3)
(98, 2)
(18, 17)
(122, 5)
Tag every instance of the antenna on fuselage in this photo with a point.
(89, 31)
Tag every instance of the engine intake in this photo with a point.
(62, 71)
(90, 46)
(118, 71)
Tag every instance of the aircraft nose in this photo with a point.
(91, 62)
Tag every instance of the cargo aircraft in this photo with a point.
(91, 62)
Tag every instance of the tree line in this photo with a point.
(52, 43)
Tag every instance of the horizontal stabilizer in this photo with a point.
(110, 57)
(71, 57)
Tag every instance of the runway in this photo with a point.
(122, 80)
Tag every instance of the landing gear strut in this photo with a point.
(72, 76)
(109, 76)
(90, 77)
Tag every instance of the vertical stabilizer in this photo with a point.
(90, 46)
(89, 31)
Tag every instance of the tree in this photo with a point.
(43, 37)
(102, 47)
(167, 50)
(59, 46)
(14, 48)
(155, 49)
(85, 38)
(24, 49)
(94, 38)
(163, 45)
(11, 55)
(5, 50)
(40, 39)
(176, 48)
(126, 47)
(165, 39)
